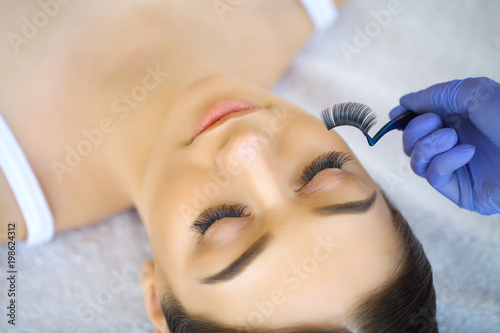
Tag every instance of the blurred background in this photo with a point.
(87, 280)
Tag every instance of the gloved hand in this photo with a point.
(455, 142)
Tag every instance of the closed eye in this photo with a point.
(328, 160)
(213, 214)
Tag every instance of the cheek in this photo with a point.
(306, 133)
(181, 193)
(172, 212)
(173, 200)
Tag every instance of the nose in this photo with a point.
(252, 158)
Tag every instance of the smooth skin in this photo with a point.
(74, 72)
(263, 176)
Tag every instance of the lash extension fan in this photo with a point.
(363, 118)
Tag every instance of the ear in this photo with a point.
(150, 293)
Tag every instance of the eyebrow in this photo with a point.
(245, 259)
(352, 207)
(240, 263)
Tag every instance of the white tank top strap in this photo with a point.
(26, 188)
(323, 13)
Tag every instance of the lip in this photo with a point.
(221, 111)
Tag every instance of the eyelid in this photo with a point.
(328, 160)
(211, 215)
(225, 230)
(327, 179)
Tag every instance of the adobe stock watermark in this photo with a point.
(488, 87)
(90, 309)
(122, 108)
(222, 7)
(32, 26)
(404, 171)
(372, 29)
(222, 178)
(292, 279)
(484, 89)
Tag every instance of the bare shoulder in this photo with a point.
(252, 40)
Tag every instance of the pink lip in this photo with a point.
(222, 109)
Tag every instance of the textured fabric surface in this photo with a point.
(87, 280)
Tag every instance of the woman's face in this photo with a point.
(246, 231)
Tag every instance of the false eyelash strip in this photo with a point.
(363, 118)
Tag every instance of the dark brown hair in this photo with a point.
(404, 304)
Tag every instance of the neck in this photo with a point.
(141, 120)
(128, 154)
(88, 86)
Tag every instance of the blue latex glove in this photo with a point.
(455, 142)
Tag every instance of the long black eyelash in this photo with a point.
(350, 113)
(329, 160)
(213, 214)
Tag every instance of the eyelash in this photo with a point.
(329, 160)
(213, 214)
